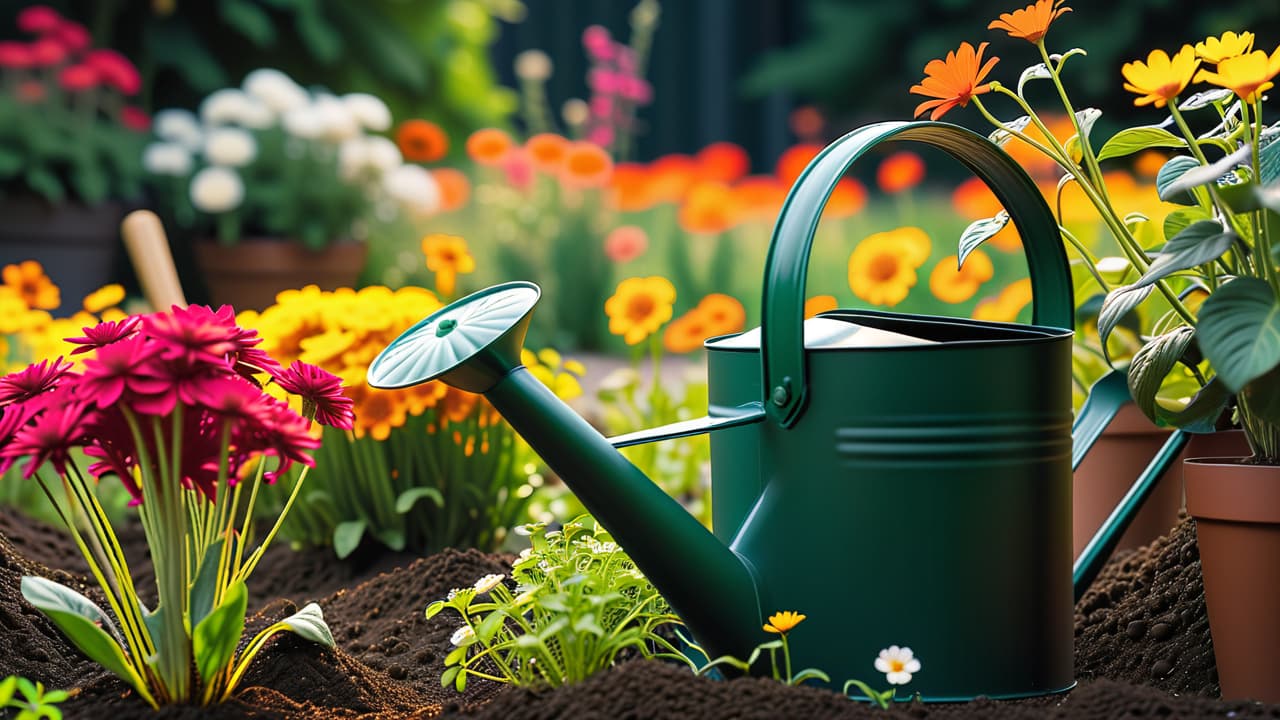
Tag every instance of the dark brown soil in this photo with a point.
(1142, 650)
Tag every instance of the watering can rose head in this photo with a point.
(1205, 254)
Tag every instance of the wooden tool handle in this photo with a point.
(149, 252)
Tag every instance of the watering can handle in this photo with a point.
(786, 267)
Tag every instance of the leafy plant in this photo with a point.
(171, 404)
(1206, 353)
(578, 604)
(779, 624)
(30, 699)
(66, 131)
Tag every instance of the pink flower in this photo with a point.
(606, 82)
(635, 89)
(73, 36)
(193, 335)
(32, 381)
(122, 370)
(105, 333)
(286, 435)
(601, 106)
(115, 70)
(12, 419)
(321, 393)
(76, 78)
(626, 60)
(39, 19)
(57, 428)
(519, 169)
(601, 135)
(598, 43)
(46, 52)
(135, 118)
(15, 55)
(625, 243)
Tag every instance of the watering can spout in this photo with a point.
(474, 344)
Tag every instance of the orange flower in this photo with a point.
(900, 171)
(686, 333)
(455, 188)
(973, 200)
(421, 141)
(28, 280)
(806, 122)
(955, 285)
(547, 151)
(846, 200)
(881, 271)
(781, 623)
(586, 165)
(794, 160)
(953, 81)
(722, 162)
(759, 197)
(1149, 162)
(447, 256)
(639, 307)
(1031, 22)
(671, 176)
(722, 313)
(710, 208)
(1161, 78)
(630, 188)
(1006, 306)
(377, 412)
(1248, 75)
(489, 146)
(819, 304)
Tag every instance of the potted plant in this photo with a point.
(1214, 352)
(282, 184)
(69, 142)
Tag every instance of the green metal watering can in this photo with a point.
(913, 494)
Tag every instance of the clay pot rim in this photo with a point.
(1225, 489)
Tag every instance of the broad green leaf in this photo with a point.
(48, 595)
(322, 39)
(1201, 415)
(434, 608)
(587, 624)
(154, 623)
(393, 537)
(979, 232)
(1169, 173)
(410, 497)
(83, 632)
(1204, 99)
(1000, 136)
(346, 537)
(1116, 306)
(1182, 218)
(1202, 242)
(214, 640)
(10, 162)
(489, 626)
(44, 182)
(1240, 196)
(455, 656)
(249, 20)
(206, 584)
(1269, 162)
(308, 623)
(1132, 140)
(1153, 362)
(1239, 328)
(1039, 71)
(446, 678)
(1219, 172)
(1263, 395)
(7, 687)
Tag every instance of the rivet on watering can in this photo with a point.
(782, 393)
(445, 327)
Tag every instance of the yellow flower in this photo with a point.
(1247, 75)
(104, 297)
(783, 622)
(377, 413)
(1161, 78)
(639, 307)
(882, 268)
(32, 285)
(1215, 50)
(955, 285)
(1006, 306)
(447, 257)
(1032, 22)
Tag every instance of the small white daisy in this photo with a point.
(897, 664)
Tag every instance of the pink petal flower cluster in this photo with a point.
(617, 88)
(190, 374)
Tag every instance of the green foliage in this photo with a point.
(30, 699)
(577, 605)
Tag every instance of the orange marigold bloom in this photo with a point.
(846, 200)
(1006, 306)
(686, 333)
(794, 160)
(1161, 78)
(722, 313)
(1248, 75)
(711, 208)
(1031, 22)
(722, 162)
(547, 151)
(783, 622)
(952, 284)
(455, 188)
(447, 257)
(819, 304)
(671, 176)
(421, 141)
(28, 281)
(881, 271)
(953, 81)
(378, 412)
(759, 197)
(489, 146)
(639, 307)
(630, 189)
(586, 165)
(900, 171)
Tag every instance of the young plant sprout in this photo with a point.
(780, 624)
(898, 665)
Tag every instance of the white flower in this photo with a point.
(275, 90)
(368, 110)
(166, 158)
(216, 190)
(178, 126)
(255, 114)
(533, 65)
(303, 122)
(336, 121)
(487, 583)
(374, 153)
(230, 146)
(897, 664)
(413, 187)
(228, 106)
(575, 112)
(383, 155)
(463, 636)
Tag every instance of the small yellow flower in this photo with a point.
(639, 307)
(882, 268)
(783, 622)
(1161, 78)
(952, 284)
(447, 257)
(1006, 306)
(1216, 49)
(1247, 75)
(107, 296)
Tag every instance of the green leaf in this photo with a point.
(346, 537)
(10, 162)
(322, 39)
(587, 624)
(154, 623)
(455, 656)
(434, 608)
(1132, 140)
(1202, 242)
(60, 605)
(214, 640)
(1171, 172)
(410, 497)
(808, 673)
(1263, 396)
(979, 232)
(392, 537)
(308, 623)
(7, 687)
(446, 679)
(1116, 306)
(1240, 196)
(1182, 218)
(1239, 327)
(1153, 362)
(489, 626)
(45, 183)
(206, 584)
(1269, 162)
(1201, 415)
(249, 20)
(49, 595)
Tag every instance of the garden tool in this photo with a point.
(148, 248)
(915, 493)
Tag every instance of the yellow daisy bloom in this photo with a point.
(1161, 78)
(783, 622)
(639, 307)
(952, 284)
(1248, 76)
(107, 296)
(1006, 306)
(1216, 49)
(447, 257)
(882, 270)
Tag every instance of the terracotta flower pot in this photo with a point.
(249, 274)
(1237, 512)
(77, 245)
(1113, 463)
